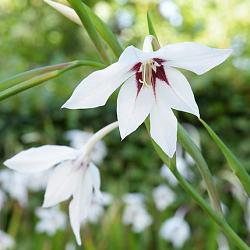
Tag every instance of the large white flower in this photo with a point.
(152, 86)
(6, 241)
(73, 175)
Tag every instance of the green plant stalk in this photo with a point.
(216, 217)
(104, 31)
(233, 162)
(43, 78)
(15, 220)
(9, 82)
(194, 151)
(90, 28)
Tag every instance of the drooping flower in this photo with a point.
(163, 197)
(152, 86)
(50, 220)
(73, 175)
(176, 230)
(135, 213)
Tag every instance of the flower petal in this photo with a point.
(65, 10)
(163, 127)
(96, 179)
(133, 108)
(193, 56)
(41, 158)
(95, 90)
(178, 94)
(132, 55)
(61, 184)
(80, 204)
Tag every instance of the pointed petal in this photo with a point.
(192, 56)
(96, 178)
(61, 184)
(80, 204)
(65, 10)
(132, 55)
(178, 93)
(163, 127)
(132, 109)
(95, 90)
(41, 158)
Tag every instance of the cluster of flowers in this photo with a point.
(150, 86)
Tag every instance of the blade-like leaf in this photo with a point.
(35, 77)
(87, 22)
(151, 29)
(232, 160)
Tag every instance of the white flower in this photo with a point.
(135, 213)
(50, 220)
(163, 197)
(152, 86)
(15, 185)
(74, 175)
(222, 242)
(175, 230)
(70, 246)
(6, 241)
(79, 138)
(2, 199)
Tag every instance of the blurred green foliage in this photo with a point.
(32, 34)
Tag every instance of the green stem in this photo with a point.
(216, 217)
(15, 220)
(194, 151)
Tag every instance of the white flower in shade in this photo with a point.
(6, 241)
(79, 138)
(176, 230)
(70, 246)
(152, 86)
(163, 197)
(50, 220)
(222, 242)
(135, 213)
(15, 185)
(2, 199)
(73, 175)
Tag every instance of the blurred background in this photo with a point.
(33, 34)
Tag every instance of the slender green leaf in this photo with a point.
(40, 78)
(105, 32)
(233, 162)
(78, 6)
(151, 29)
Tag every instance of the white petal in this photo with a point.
(61, 184)
(65, 10)
(96, 178)
(132, 110)
(40, 158)
(80, 204)
(193, 56)
(95, 90)
(163, 127)
(179, 94)
(132, 55)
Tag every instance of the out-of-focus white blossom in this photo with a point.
(163, 197)
(171, 11)
(2, 199)
(6, 241)
(135, 213)
(124, 18)
(50, 220)
(15, 185)
(176, 230)
(222, 242)
(37, 181)
(103, 10)
(79, 138)
(70, 246)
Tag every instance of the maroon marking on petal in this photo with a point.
(139, 84)
(153, 81)
(136, 67)
(159, 61)
(160, 74)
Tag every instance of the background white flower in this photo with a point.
(6, 241)
(163, 197)
(222, 242)
(176, 230)
(50, 220)
(2, 198)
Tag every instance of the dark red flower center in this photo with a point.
(147, 73)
